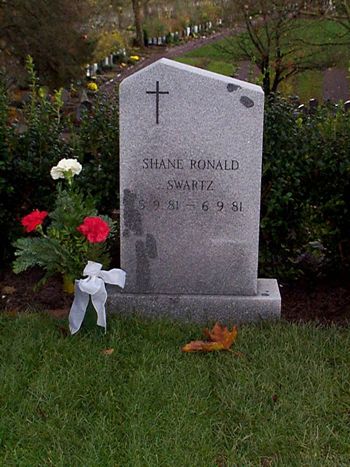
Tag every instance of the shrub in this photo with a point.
(7, 190)
(97, 147)
(29, 150)
(305, 190)
(28, 154)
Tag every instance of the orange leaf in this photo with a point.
(107, 351)
(202, 346)
(222, 334)
(221, 339)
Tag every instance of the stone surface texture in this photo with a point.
(190, 155)
(265, 305)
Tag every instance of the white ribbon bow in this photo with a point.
(93, 285)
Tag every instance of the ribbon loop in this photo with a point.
(114, 277)
(94, 286)
(92, 269)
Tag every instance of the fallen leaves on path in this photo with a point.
(220, 339)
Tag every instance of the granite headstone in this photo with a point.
(190, 175)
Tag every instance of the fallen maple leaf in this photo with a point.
(107, 351)
(222, 334)
(202, 346)
(221, 339)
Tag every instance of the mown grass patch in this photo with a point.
(285, 400)
(217, 66)
(224, 56)
(307, 85)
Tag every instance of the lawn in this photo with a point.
(225, 56)
(281, 397)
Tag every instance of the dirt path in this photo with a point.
(155, 53)
(335, 84)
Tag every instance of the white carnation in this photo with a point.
(66, 167)
(56, 173)
(70, 164)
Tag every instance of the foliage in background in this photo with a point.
(107, 43)
(305, 188)
(53, 35)
(305, 223)
(96, 144)
(30, 148)
(64, 39)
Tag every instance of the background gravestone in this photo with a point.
(191, 152)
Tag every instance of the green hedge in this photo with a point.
(305, 187)
(305, 222)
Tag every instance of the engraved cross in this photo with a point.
(157, 92)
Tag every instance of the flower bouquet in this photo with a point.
(71, 241)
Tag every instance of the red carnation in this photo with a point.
(95, 229)
(31, 221)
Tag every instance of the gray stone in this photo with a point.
(191, 151)
(266, 304)
(302, 109)
(313, 103)
(85, 105)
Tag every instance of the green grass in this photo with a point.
(217, 66)
(224, 56)
(307, 85)
(286, 401)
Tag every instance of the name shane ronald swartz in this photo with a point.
(191, 164)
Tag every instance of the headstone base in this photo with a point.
(227, 309)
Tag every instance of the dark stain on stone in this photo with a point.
(151, 246)
(132, 217)
(232, 87)
(247, 102)
(143, 270)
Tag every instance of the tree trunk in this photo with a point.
(136, 6)
(266, 83)
(265, 71)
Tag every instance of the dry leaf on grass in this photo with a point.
(107, 351)
(220, 339)
(222, 334)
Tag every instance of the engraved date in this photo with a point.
(204, 206)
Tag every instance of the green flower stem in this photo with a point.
(40, 230)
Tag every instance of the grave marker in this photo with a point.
(191, 151)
